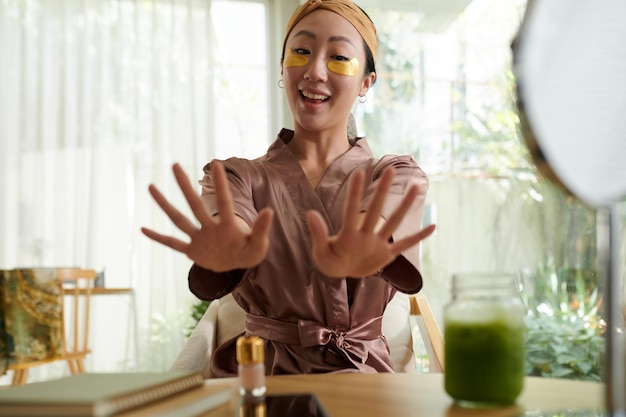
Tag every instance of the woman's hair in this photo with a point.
(370, 65)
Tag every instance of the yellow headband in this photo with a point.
(344, 8)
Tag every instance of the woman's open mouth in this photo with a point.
(312, 97)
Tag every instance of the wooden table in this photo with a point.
(423, 395)
(106, 291)
(398, 395)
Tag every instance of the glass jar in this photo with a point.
(484, 334)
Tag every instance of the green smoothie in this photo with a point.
(484, 362)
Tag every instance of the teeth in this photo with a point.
(314, 96)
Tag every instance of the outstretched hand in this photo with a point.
(361, 248)
(220, 243)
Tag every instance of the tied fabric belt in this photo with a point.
(308, 333)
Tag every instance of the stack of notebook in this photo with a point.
(169, 394)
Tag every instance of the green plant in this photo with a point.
(560, 348)
(565, 332)
(197, 310)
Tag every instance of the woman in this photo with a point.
(314, 238)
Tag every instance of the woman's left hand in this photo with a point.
(360, 248)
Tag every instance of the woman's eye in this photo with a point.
(340, 58)
(300, 51)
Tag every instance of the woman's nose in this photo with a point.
(317, 71)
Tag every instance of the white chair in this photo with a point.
(224, 319)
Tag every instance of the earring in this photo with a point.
(362, 99)
(281, 83)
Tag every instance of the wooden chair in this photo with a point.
(75, 285)
(431, 334)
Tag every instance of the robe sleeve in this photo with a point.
(206, 284)
(239, 179)
(403, 273)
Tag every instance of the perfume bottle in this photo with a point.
(253, 408)
(251, 369)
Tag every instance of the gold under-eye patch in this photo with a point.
(350, 68)
(293, 60)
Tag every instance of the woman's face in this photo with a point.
(323, 71)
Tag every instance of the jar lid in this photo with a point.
(250, 350)
(484, 281)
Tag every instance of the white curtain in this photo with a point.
(97, 99)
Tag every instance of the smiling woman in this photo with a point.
(318, 216)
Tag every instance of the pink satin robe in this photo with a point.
(311, 323)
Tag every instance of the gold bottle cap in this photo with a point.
(253, 410)
(250, 350)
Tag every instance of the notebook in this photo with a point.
(105, 394)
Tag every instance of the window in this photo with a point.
(438, 91)
(241, 79)
(100, 99)
(447, 98)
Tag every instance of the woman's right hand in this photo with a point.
(220, 243)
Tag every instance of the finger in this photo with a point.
(398, 214)
(222, 192)
(191, 195)
(409, 241)
(260, 228)
(352, 206)
(317, 227)
(169, 241)
(178, 218)
(378, 200)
